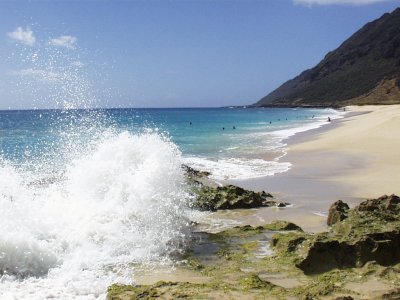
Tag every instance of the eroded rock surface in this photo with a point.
(232, 268)
(369, 232)
(231, 197)
(210, 196)
(337, 212)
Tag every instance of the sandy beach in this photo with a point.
(350, 159)
(371, 141)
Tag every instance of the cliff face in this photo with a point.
(365, 69)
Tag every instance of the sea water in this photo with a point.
(88, 195)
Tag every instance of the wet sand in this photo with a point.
(351, 159)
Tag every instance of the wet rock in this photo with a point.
(271, 203)
(337, 212)
(230, 197)
(198, 179)
(194, 173)
(210, 196)
(344, 298)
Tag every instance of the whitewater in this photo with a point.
(122, 203)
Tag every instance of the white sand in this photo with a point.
(373, 138)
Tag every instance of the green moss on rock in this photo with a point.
(230, 197)
(280, 225)
(252, 281)
(322, 263)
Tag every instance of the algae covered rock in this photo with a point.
(288, 242)
(210, 196)
(369, 232)
(390, 203)
(325, 255)
(193, 173)
(337, 212)
(230, 197)
(280, 225)
(371, 216)
(248, 230)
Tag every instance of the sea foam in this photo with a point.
(121, 203)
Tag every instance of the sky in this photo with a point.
(197, 53)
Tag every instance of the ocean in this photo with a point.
(86, 196)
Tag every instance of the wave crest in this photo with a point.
(123, 202)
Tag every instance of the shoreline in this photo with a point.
(329, 163)
(319, 176)
(365, 142)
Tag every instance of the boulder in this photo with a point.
(390, 203)
(337, 212)
(230, 197)
(210, 196)
(325, 255)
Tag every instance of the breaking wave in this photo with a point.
(121, 202)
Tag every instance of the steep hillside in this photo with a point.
(365, 69)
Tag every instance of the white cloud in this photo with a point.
(67, 41)
(330, 2)
(25, 36)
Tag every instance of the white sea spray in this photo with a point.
(122, 202)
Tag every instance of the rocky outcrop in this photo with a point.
(385, 203)
(210, 196)
(231, 197)
(337, 212)
(369, 232)
(237, 263)
(193, 173)
(325, 255)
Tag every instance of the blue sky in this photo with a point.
(166, 53)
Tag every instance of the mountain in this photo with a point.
(365, 69)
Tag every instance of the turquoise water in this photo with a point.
(231, 143)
